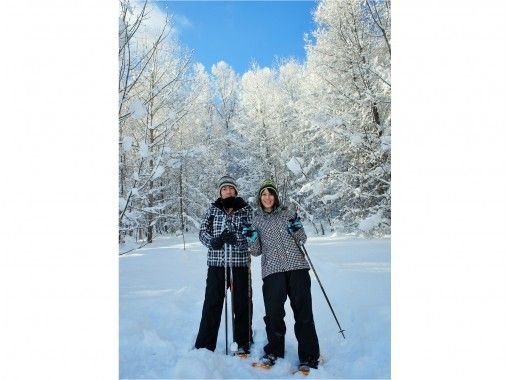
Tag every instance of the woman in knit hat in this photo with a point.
(273, 235)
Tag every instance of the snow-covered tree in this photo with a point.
(321, 129)
(261, 127)
(225, 86)
(350, 64)
(156, 104)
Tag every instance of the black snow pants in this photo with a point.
(213, 307)
(276, 288)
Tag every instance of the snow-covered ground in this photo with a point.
(161, 294)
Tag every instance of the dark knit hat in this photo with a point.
(227, 181)
(267, 184)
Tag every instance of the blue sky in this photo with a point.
(240, 32)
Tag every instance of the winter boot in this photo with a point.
(267, 361)
(310, 364)
(303, 369)
(242, 352)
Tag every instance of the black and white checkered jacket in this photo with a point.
(215, 221)
(277, 247)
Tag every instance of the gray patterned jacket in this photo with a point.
(278, 249)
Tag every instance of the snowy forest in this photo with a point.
(320, 129)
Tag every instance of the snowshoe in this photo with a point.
(266, 362)
(242, 352)
(303, 369)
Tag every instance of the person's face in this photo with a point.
(227, 192)
(267, 199)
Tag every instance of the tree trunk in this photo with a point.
(181, 205)
(151, 196)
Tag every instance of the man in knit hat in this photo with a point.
(228, 263)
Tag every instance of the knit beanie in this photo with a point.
(267, 184)
(227, 181)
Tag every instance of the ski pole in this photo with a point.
(226, 301)
(232, 294)
(303, 251)
(250, 311)
(229, 225)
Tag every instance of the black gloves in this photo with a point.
(216, 243)
(228, 237)
(225, 237)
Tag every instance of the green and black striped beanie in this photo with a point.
(227, 181)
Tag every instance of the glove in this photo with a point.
(228, 237)
(217, 243)
(294, 224)
(250, 233)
